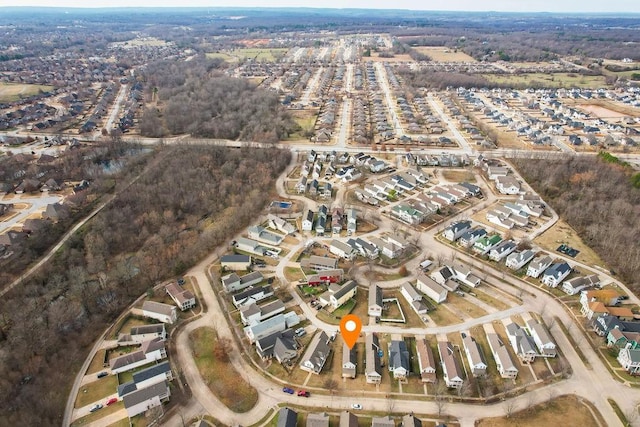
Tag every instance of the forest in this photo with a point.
(194, 97)
(183, 202)
(597, 197)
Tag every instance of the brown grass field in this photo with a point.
(560, 233)
(444, 54)
(10, 92)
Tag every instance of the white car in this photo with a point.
(356, 406)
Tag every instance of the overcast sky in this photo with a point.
(468, 5)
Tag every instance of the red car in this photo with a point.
(303, 393)
(112, 401)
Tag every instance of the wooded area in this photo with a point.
(194, 97)
(597, 198)
(187, 201)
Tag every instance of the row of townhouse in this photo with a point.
(339, 219)
(337, 294)
(314, 188)
(505, 182)
(287, 417)
(621, 334)
(531, 342)
(444, 160)
(389, 246)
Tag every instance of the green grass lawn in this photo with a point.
(260, 54)
(10, 92)
(96, 391)
(220, 375)
(345, 309)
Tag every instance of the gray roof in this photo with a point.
(158, 307)
(126, 388)
(147, 329)
(411, 421)
(317, 352)
(345, 288)
(151, 372)
(372, 360)
(250, 292)
(287, 418)
(127, 359)
(347, 419)
(235, 258)
(145, 394)
(375, 295)
(398, 355)
(382, 422)
(318, 420)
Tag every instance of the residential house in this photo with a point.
(149, 352)
(340, 294)
(347, 419)
(287, 418)
(623, 339)
(276, 223)
(517, 260)
(342, 249)
(414, 298)
(351, 221)
(375, 301)
(408, 214)
(471, 236)
(317, 353)
(507, 185)
(426, 361)
(453, 376)
(629, 359)
(365, 248)
(399, 359)
(377, 166)
(578, 284)
(503, 249)
(555, 274)
(315, 419)
(455, 230)
(251, 246)
(325, 277)
(504, 363)
(494, 172)
(349, 361)
(55, 212)
(445, 276)
(485, 244)
(523, 345)
(319, 263)
(272, 325)
(463, 274)
(546, 345)
(252, 295)
(280, 345)
(476, 360)
(235, 262)
(234, 283)
(252, 314)
(373, 370)
(431, 289)
(307, 221)
(538, 265)
(604, 297)
(499, 219)
(163, 312)
(141, 400)
(336, 221)
(382, 422)
(410, 421)
(321, 224)
(147, 377)
(139, 334)
(183, 298)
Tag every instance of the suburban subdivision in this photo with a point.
(189, 206)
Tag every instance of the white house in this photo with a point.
(629, 359)
(267, 327)
(150, 351)
(578, 284)
(276, 223)
(141, 400)
(474, 356)
(183, 298)
(307, 221)
(375, 301)
(453, 376)
(523, 345)
(163, 312)
(414, 298)
(546, 345)
(373, 369)
(504, 363)
(538, 265)
(555, 274)
(426, 361)
(317, 353)
(465, 275)
(431, 289)
(342, 249)
(349, 361)
(252, 314)
(507, 185)
(503, 249)
(517, 260)
(234, 283)
(455, 230)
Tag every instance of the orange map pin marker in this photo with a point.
(350, 327)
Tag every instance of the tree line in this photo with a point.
(186, 201)
(596, 197)
(195, 97)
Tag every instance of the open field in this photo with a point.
(396, 58)
(224, 56)
(458, 175)
(260, 54)
(442, 316)
(218, 373)
(560, 233)
(145, 41)
(601, 112)
(566, 410)
(619, 108)
(444, 54)
(566, 80)
(10, 92)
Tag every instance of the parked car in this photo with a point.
(181, 281)
(102, 374)
(111, 401)
(356, 406)
(303, 393)
(95, 407)
(288, 390)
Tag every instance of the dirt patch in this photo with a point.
(602, 112)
